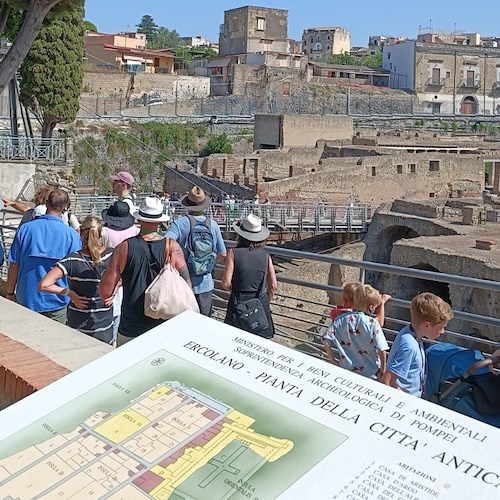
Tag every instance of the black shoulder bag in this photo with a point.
(251, 314)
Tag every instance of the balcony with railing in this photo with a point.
(435, 82)
(470, 83)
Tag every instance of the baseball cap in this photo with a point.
(123, 177)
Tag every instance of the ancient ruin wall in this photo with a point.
(380, 179)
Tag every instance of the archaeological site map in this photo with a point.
(198, 410)
(170, 442)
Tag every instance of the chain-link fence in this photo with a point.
(351, 104)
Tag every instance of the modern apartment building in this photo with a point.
(319, 43)
(448, 78)
(125, 51)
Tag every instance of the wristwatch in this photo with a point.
(64, 292)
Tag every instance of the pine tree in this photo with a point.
(148, 27)
(52, 73)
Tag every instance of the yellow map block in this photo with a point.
(193, 458)
(159, 392)
(240, 418)
(122, 425)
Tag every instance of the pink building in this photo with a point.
(126, 51)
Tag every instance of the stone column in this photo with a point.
(68, 149)
(495, 170)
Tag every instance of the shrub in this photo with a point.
(218, 143)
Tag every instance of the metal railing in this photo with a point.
(9, 222)
(33, 149)
(435, 82)
(283, 216)
(301, 307)
(300, 322)
(470, 83)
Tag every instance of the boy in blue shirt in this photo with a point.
(406, 367)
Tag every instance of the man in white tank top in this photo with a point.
(122, 184)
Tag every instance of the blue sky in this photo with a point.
(362, 17)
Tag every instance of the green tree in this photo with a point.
(88, 26)
(147, 26)
(52, 73)
(344, 58)
(218, 143)
(35, 12)
(373, 61)
(188, 53)
(164, 39)
(13, 24)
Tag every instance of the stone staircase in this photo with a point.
(209, 184)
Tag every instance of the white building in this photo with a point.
(447, 78)
(196, 41)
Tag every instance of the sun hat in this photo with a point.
(251, 229)
(151, 210)
(118, 216)
(196, 200)
(123, 177)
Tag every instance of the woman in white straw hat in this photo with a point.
(249, 271)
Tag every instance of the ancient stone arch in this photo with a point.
(385, 240)
(410, 287)
(406, 288)
(468, 105)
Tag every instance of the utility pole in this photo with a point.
(14, 128)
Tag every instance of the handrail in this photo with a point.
(33, 148)
(402, 271)
(277, 216)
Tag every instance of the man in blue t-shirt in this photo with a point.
(37, 246)
(196, 203)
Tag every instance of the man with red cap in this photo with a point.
(122, 184)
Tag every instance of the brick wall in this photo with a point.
(24, 371)
(232, 168)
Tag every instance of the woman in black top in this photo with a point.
(249, 271)
(87, 312)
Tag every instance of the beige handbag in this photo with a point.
(168, 294)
